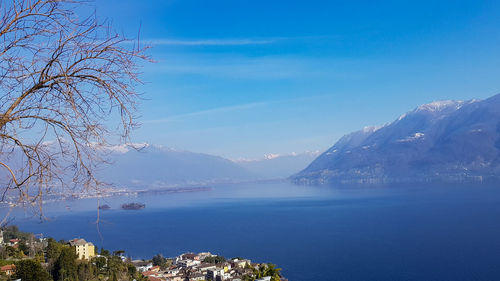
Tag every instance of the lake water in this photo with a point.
(313, 233)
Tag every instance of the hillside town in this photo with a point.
(206, 266)
(27, 256)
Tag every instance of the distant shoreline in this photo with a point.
(111, 193)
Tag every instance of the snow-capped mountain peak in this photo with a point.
(438, 141)
(437, 106)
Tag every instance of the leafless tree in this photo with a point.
(67, 88)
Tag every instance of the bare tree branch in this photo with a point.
(65, 82)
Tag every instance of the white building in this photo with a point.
(188, 263)
(142, 266)
(213, 273)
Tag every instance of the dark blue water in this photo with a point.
(403, 233)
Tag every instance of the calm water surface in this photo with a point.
(398, 233)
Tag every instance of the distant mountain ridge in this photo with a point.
(143, 166)
(448, 141)
(147, 166)
(151, 166)
(276, 166)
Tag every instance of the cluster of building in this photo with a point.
(193, 267)
(9, 269)
(12, 242)
(34, 241)
(85, 250)
(186, 267)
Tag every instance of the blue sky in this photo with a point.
(244, 78)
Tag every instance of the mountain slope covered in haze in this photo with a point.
(153, 166)
(158, 167)
(449, 141)
(274, 166)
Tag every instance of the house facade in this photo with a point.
(85, 250)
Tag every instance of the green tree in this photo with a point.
(23, 247)
(131, 270)
(215, 259)
(3, 253)
(30, 270)
(248, 277)
(138, 277)
(159, 260)
(39, 258)
(116, 266)
(104, 252)
(268, 270)
(100, 263)
(86, 271)
(53, 249)
(65, 267)
(14, 252)
(12, 232)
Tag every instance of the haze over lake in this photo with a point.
(313, 233)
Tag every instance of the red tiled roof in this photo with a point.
(149, 272)
(8, 267)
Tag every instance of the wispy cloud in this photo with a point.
(253, 68)
(232, 108)
(225, 41)
(209, 42)
(209, 111)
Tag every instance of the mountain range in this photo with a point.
(273, 166)
(443, 141)
(146, 166)
(150, 166)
